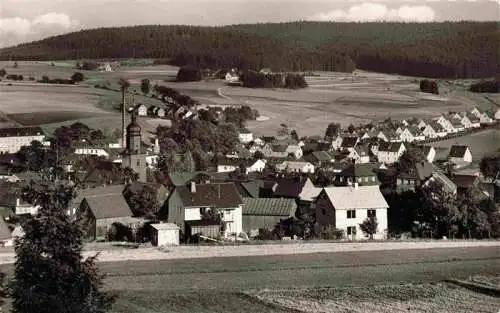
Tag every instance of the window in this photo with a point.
(323, 211)
(351, 230)
(373, 178)
(351, 213)
(366, 179)
(372, 213)
(138, 162)
(203, 210)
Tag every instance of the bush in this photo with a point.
(120, 232)
(253, 79)
(429, 86)
(266, 234)
(331, 233)
(77, 77)
(492, 86)
(15, 77)
(88, 65)
(189, 74)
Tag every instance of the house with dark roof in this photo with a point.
(460, 155)
(265, 213)
(97, 212)
(464, 182)
(414, 177)
(256, 188)
(288, 187)
(389, 152)
(319, 158)
(228, 165)
(429, 153)
(190, 203)
(349, 143)
(13, 138)
(362, 173)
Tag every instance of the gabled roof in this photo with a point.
(360, 170)
(279, 148)
(269, 206)
(322, 156)
(220, 195)
(389, 146)
(250, 189)
(421, 171)
(457, 151)
(464, 181)
(426, 150)
(109, 205)
(89, 192)
(362, 197)
(288, 187)
(309, 191)
(349, 142)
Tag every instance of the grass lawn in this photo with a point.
(218, 285)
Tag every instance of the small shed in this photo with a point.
(165, 234)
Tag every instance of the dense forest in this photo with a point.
(449, 49)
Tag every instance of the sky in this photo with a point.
(28, 20)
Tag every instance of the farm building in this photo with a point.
(346, 207)
(265, 213)
(142, 110)
(98, 212)
(232, 164)
(12, 139)
(414, 177)
(295, 167)
(165, 234)
(389, 153)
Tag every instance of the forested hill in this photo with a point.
(462, 49)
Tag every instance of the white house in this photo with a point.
(152, 161)
(429, 153)
(359, 155)
(484, 118)
(259, 142)
(421, 124)
(460, 155)
(411, 134)
(12, 139)
(399, 130)
(91, 151)
(251, 166)
(446, 124)
(475, 121)
(389, 153)
(336, 143)
(165, 234)
(142, 110)
(106, 68)
(22, 208)
(295, 167)
(466, 122)
(245, 136)
(188, 204)
(382, 136)
(232, 76)
(497, 115)
(457, 125)
(346, 208)
(475, 112)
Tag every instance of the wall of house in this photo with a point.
(234, 220)
(325, 212)
(468, 156)
(192, 214)
(86, 220)
(342, 222)
(225, 168)
(14, 144)
(175, 210)
(92, 151)
(103, 225)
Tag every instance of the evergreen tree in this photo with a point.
(50, 274)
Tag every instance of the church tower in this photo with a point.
(133, 155)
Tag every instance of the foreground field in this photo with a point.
(227, 285)
(421, 298)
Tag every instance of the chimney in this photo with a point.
(193, 187)
(356, 186)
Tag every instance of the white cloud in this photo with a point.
(370, 12)
(14, 30)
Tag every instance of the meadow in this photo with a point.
(383, 281)
(331, 97)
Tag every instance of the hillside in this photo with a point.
(452, 50)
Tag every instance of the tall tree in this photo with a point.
(332, 130)
(50, 273)
(145, 86)
(3, 72)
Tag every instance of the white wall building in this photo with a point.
(12, 139)
(165, 234)
(245, 137)
(92, 151)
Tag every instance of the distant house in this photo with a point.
(382, 136)
(245, 136)
(349, 143)
(187, 205)
(405, 123)
(421, 124)
(497, 114)
(319, 158)
(434, 130)
(362, 174)
(389, 153)
(106, 68)
(337, 143)
(98, 212)
(282, 151)
(345, 208)
(484, 118)
(464, 119)
(411, 134)
(429, 153)
(84, 149)
(399, 130)
(10, 198)
(460, 155)
(474, 120)
(475, 112)
(265, 213)
(288, 187)
(142, 110)
(265, 70)
(414, 177)
(457, 126)
(230, 165)
(295, 167)
(13, 138)
(309, 192)
(359, 155)
(464, 182)
(5, 234)
(232, 76)
(446, 124)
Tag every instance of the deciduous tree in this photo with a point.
(369, 226)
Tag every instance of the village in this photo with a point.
(329, 187)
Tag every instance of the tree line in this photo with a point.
(450, 49)
(254, 79)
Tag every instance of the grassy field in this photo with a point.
(331, 97)
(481, 143)
(220, 285)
